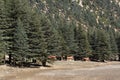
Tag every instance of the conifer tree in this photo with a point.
(69, 36)
(40, 38)
(46, 39)
(39, 28)
(113, 45)
(16, 27)
(102, 47)
(82, 41)
(36, 39)
(118, 45)
(2, 25)
(20, 41)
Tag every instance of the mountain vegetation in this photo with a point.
(36, 29)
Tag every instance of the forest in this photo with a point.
(36, 29)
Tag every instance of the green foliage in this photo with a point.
(101, 45)
(37, 29)
(82, 41)
(2, 25)
(118, 42)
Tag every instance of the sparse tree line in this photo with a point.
(30, 35)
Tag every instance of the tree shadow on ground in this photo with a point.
(27, 65)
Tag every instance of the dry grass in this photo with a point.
(64, 70)
(80, 64)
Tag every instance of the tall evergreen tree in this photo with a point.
(16, 25)
(113, 45)
(36, 41)
(69, 36)
(20, 45)
(2, 25)
(48, 36)
(102, 47)
(82, 41)
(118, 45)
(39, 28)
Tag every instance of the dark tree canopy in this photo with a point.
(36, 29)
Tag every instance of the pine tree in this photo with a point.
(1, 18)
(46, 39)
(1, 48)
(40, 37)
(17, 13)
(20, 45)
(102, 47)
(2, 25)
(37, 30)
(118, 45)
(82, 41)
(69, 37)
(36, 39)
(113, 45)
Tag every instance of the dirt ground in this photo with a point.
(64, 70)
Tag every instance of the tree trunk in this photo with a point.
(10, 58)
(119, 56)
(44, 63)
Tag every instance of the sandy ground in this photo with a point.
(64, 70)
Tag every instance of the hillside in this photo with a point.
(37, 29)
(89, 14)
(92, 13)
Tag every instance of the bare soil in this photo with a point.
(64, 70)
